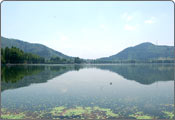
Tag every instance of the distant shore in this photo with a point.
(86, 64)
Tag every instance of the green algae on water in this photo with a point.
(57, 110)
(41, 114)
(169, 115)
(109, 113)
(83, 112)
(140, 115)
(88, 109)
(13, 116)
(75, 111)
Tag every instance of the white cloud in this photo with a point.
(124, 15)
(102, 26)
(150, 21)
(130, 27)
(127, 17)
(63, 37)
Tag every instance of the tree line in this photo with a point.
(130, 61)
(15, 55)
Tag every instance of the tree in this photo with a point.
(7, 55)
(16, 55)
(2, 56)
(77, 60)
(55, 60)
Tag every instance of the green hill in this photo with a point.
(37, 49)
(144, 51)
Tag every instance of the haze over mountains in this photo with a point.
(144, 51)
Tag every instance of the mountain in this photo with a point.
(37, 49)
(143, 51)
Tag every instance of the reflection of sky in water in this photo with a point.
(89, 87)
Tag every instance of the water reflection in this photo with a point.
(143, 73)
(20, 76)
(89, 87)
(26, 75)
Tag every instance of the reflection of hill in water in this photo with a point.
(20, 76)
(143, 73)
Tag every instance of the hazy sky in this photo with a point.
(89, 29)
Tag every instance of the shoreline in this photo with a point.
(85, 64)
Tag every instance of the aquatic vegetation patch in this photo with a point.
(13, 116)
(88, 109)
(109, 113)
(3, 110)
(172, 105)
(140, 115)
(57, 110)
(168, 114)
(41, 114)
(82, 112)
(75, 111)
(8, 115)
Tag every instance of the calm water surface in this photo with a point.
(140, 91)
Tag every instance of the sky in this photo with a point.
(87, 29)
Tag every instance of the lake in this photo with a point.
(128, 91)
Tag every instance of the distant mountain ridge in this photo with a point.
(143, 51)
(34, 48)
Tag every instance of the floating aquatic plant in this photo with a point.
(75, 111)
(57, 110)
(13, 116)
(109, 113)
(140, 115)
(88, 109)
(41, 114)
(83, 112)
(168, 114)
